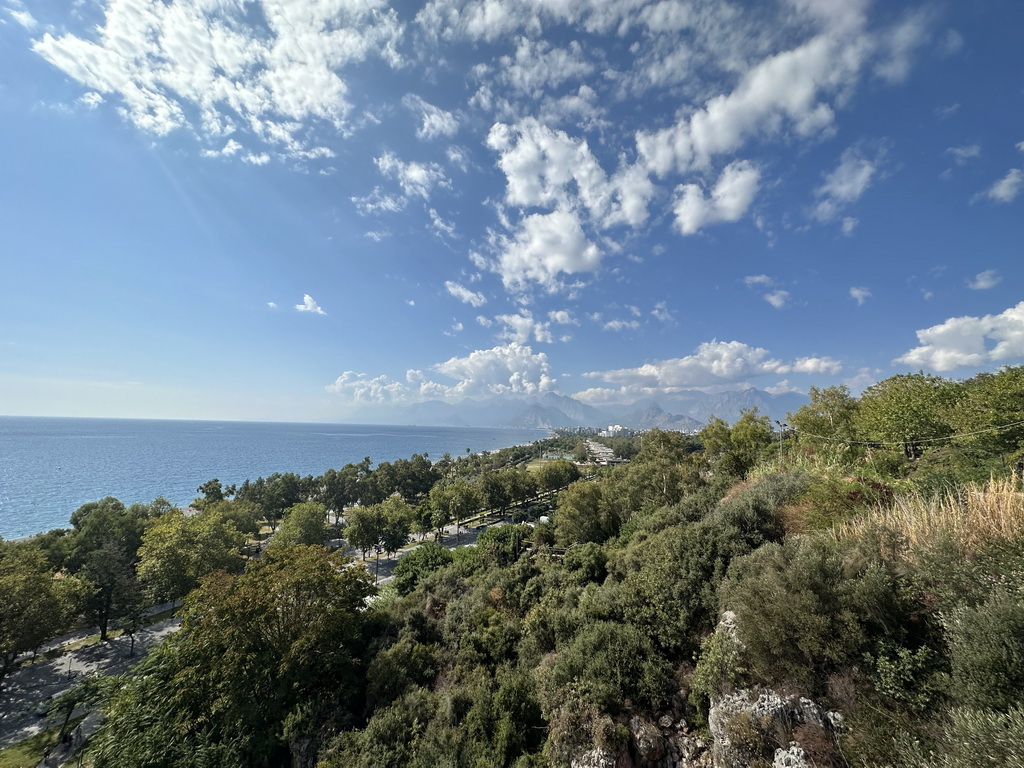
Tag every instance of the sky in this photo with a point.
(318, 210)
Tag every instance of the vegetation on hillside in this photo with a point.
(870, 557)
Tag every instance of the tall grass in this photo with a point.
(971, 516)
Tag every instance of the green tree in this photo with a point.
(453, 502)
(828, 421)
(582, 515)
(911, 410)
(305, 523)
(261, 661)
(383, 527)
(557, 474)
(178, 550)
(212, 491)
(35, 605)
(991, 401)
(425, 559)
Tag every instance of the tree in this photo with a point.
(991, 402)
(304, 523)
(212, 491)
(282, 491)
(104, 550)
(557, 474)
(383, 527)
(261, 660)
(453, 502)
(177, 551)
(910, 410)
(829, 420)
(35, 605)
(735, 450)
(582, 515)
(423, 560)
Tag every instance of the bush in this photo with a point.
(412, 567)
(803, 610)
(987, 653)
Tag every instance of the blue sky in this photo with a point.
(320, 209)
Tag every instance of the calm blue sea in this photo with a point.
(49, 467)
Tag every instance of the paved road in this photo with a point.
(25, 690)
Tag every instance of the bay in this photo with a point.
(51, 466)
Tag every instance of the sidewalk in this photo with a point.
(32, 686)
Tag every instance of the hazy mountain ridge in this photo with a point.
(685, 411)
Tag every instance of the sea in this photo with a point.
(51, 466)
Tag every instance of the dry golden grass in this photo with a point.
(971, 516)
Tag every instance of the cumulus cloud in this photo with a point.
(545, 247)
(969, 341)
(547, 167)
(752, 280)
(777, 299)
(415, 179)
(522, 328)
(714, 364)
(860, 295)
(210, 68)
(732, 195)
(1007, 188)
(434, 121)
(464, 294)
(508, 369)
(984, 280)
(309, 305)
(562, 317)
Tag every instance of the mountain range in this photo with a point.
(685, 411)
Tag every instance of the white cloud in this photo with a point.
(508, 369)
(416, 179)
(1007, 188)
(537, 66)
(208, 67)
(377, 201)
(523, 328)
(463, 294)
(309, 305)
(23, 17)
(816, 365)
(962, 154)
(964, 341)
(230, 148)
(752, 280)
(441, 227)
(845, 185)
(91, 99)
(272, 305)
(261, 159)
(661, 312)
(860, 295)
(782, 93)
(732, 195)
(434, 121)
(849, 224)
(621, 325)
(713, 365)
(777, 299)
(562, 317)
(546, 246)
(545, 167)
(984, 280)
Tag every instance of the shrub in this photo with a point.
(987, 653)
(413, 566)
